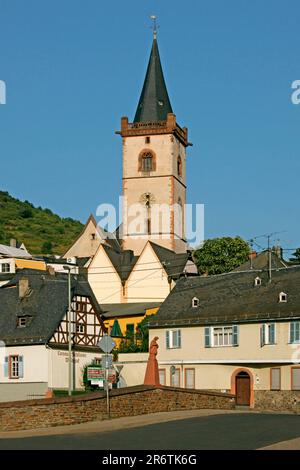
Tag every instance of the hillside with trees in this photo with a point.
(42, 231)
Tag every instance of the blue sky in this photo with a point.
(73, 68)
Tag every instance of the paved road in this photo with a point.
(228, 431)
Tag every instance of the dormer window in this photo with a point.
(23, 322)
(195, 302)
(283, 297)
(257, 281)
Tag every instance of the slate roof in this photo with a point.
(231, 298)
(127, 310)
(123, 261)
(174, 263)
(12, 252)
(154, 103)
(46, 304)
(261, 261)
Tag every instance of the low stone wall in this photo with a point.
(131, 401)
(281, 400)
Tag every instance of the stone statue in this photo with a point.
(152, 375)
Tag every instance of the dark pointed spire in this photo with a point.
(154, 104)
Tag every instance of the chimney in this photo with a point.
(13, 243)
(253, 255)
(278, 251)
(23, 288)
(51, 270)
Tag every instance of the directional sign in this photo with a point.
(107, 344)
(95, 373)
(107, 361)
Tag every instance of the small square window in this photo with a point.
(80, 328)
(257, 281)
(5, 268)
(282, 297)
(22, 322)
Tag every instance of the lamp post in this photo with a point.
(70, 382)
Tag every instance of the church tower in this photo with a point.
(154, 168)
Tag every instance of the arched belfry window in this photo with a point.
(147, 161)
(179, 166)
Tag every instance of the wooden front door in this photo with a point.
(243, 389)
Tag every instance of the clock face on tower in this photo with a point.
(148, 199)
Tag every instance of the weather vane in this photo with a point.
(155, 26)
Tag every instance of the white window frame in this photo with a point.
(14, 366)
(5, 271)
(195, 302)
(174, 344)
(257, 281)
(222, 328)
(297, 341)
(283, 297)
(79, 327)
(22, 322)
(267, 327)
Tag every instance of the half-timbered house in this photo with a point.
(34, 333)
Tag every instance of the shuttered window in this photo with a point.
(296, 378)
(295, 332)
(16, 367)
(173, 339)
(275, 379)
(221, 336)
(267, 334)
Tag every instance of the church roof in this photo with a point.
(173, 263)
(154, 103)
(123, 261)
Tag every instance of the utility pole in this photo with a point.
(270, 258)
(70, 381)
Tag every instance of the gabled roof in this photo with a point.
(128, 309)
(46, 304)
(173, 263)
(102, 236)
(123, 261)
(231, 298)
(154, 103)
(12, 252)
(261, 261)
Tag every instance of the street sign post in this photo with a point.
(107, 344)
(107, 361)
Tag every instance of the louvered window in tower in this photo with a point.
(147, 162)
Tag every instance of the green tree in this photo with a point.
(296, 257)
(47, 248)
(139, 341)
(26, 213)
(221, 255)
